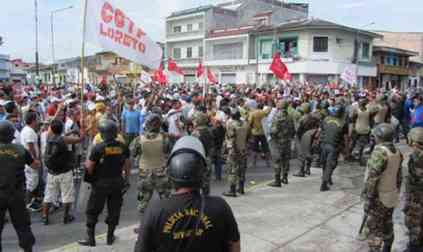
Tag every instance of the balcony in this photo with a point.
(183, 36)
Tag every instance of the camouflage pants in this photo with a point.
(329, 161)
(147, 185)
(360, 141)
(413, 211)
(281, 154)
(380, 225)
(236, 167)
(206, 177)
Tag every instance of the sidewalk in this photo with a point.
(294, 218)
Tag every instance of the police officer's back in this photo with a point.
(105, 165)
(188, 221)
(13, 159)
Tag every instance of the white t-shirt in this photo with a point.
(17, 136)
(28, 135)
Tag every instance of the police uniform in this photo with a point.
(202, 131)
(413, 209)
(361, 133)
(282, 132)
(332, 134)
(152, 149)
(109, 158)
(187, 221)
(13, 159)
(236, 160)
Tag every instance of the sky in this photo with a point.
(17, 26)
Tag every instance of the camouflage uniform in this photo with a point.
(381, 194)
(282, 132)
(361, 131)
(413, 209)
(151, 150)
(236, 148)
(204, 133)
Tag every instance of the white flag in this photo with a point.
(350, 74)
(110, 28)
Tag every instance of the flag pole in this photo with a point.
(84, 28)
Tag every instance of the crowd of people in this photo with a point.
(314, 123)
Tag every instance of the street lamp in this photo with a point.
(357, 49)
(52, 39)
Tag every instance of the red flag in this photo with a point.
(279, 69)
(211, 77)
(173, 67)
(159, 76)
(200, 70)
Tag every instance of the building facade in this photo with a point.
(4, 67)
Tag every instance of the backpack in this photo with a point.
(57, 156)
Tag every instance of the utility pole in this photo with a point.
(37, 64)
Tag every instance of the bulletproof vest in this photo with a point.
(206, 137)
(387, 186)
(153, 156)
(241, 133)
(380, 117)
(362, 125)
(112, 161)
(11, 160)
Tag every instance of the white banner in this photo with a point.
(350, 74)
(110, 28)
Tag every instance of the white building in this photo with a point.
(4, 67)
(193, 35)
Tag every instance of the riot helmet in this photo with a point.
(383, 132)
(416, 136)
(7, 132)
(187, 163)
(108, 130)
(153, 123)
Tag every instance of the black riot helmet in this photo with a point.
(235, 114)
(153, 123)
(7, 132)
(187, 163)
(108, 130)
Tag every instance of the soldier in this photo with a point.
(381, 189)
(414, 192)
(107, 162)
(382, 114)
(332, 134)
(306, 132)
(361, 118)
(282, 133)
(12, 183)
(152, 149)
(202, 131)
(236, 148)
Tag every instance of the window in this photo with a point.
(200, 26)
(288, 47)
(176, 53)
(189, 52)
(200, 51)
(320, 44)
(189, 27)
(382, 60)
(365, 52)
(177, 29)
(228, 51)
(266, 49)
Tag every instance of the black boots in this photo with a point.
(324, 187)
(241, 187)
(111, 235)
(90, 240)
(285, 179)
(45, 212)
(232, 192)
(277, 182)
(413, 248)
(387, 246)
(68, 218)
(301, 173)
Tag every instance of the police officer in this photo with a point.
(106, 164)
(152, 149)
(362, 119)
(381, 189)
(282, 132)
(332, 134)
(188, 221)
(13, 159)
(202, 131)
(414, 192)
(236, 148)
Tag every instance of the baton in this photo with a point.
(363, 223)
